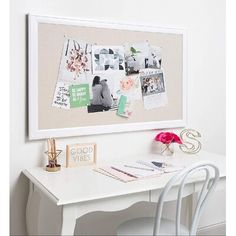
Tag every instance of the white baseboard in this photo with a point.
(217, 229)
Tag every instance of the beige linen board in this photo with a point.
(50, 44)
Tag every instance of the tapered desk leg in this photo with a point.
(68, 220)
(32, 211)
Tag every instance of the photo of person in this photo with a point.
(153, 89)
(154, 57)
(97, 91)
(152, 84)
(106, 94)
(102, 98)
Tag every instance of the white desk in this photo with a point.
(81, 190)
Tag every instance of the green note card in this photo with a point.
(79, 95)
(125, 106)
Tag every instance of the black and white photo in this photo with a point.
(102, 96)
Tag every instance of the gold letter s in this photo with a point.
(188, 146)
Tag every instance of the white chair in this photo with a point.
(160, 226)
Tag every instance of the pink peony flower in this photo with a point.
(168, 137)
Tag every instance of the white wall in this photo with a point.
(205, 21)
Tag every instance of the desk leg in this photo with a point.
(68, 220)
(32, 211)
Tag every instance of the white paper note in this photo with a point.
(61, 97)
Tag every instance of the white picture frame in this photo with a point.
(36, 133)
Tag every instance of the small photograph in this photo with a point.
(136, 57)
(154, 57)
(107, 59)
(153, 89)
(102, 96)
(152, 84)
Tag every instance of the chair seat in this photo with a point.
(144, 226)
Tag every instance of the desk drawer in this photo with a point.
(116, 203)
(219, 186)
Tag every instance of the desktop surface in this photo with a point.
(80, 184)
